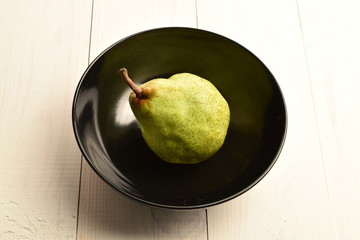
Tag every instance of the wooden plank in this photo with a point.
(105, 213)
(291, 202)
(44, 49)
(114, 20)
(331, 35)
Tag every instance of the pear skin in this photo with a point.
(183, 119)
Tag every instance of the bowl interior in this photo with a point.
(110, 138)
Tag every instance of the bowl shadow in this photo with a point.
(106, 212)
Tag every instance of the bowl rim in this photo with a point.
(160, 205)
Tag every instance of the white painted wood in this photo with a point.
(291, 202)
(332, 36)
(44, 49)
(114, 20)
(107, 214)
(311, 193)
(104, 213)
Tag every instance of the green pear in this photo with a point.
(183, 119)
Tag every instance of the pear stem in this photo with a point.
(138, 91)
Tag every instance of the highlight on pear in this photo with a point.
(184, 119)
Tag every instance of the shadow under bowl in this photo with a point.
(109, 135)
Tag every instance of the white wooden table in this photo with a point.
(48, 191)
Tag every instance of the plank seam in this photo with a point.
(196, 11)
(207, 224)
(316, 118)
(82, 157)
(312, 95)
(78, 205)
(91, 25)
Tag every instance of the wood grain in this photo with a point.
(292, 201)
(310, 46)
(104, 213)
(114, 20)
(107, 214)
(331, 37)
(44, 48)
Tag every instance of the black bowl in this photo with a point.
(109, 135)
